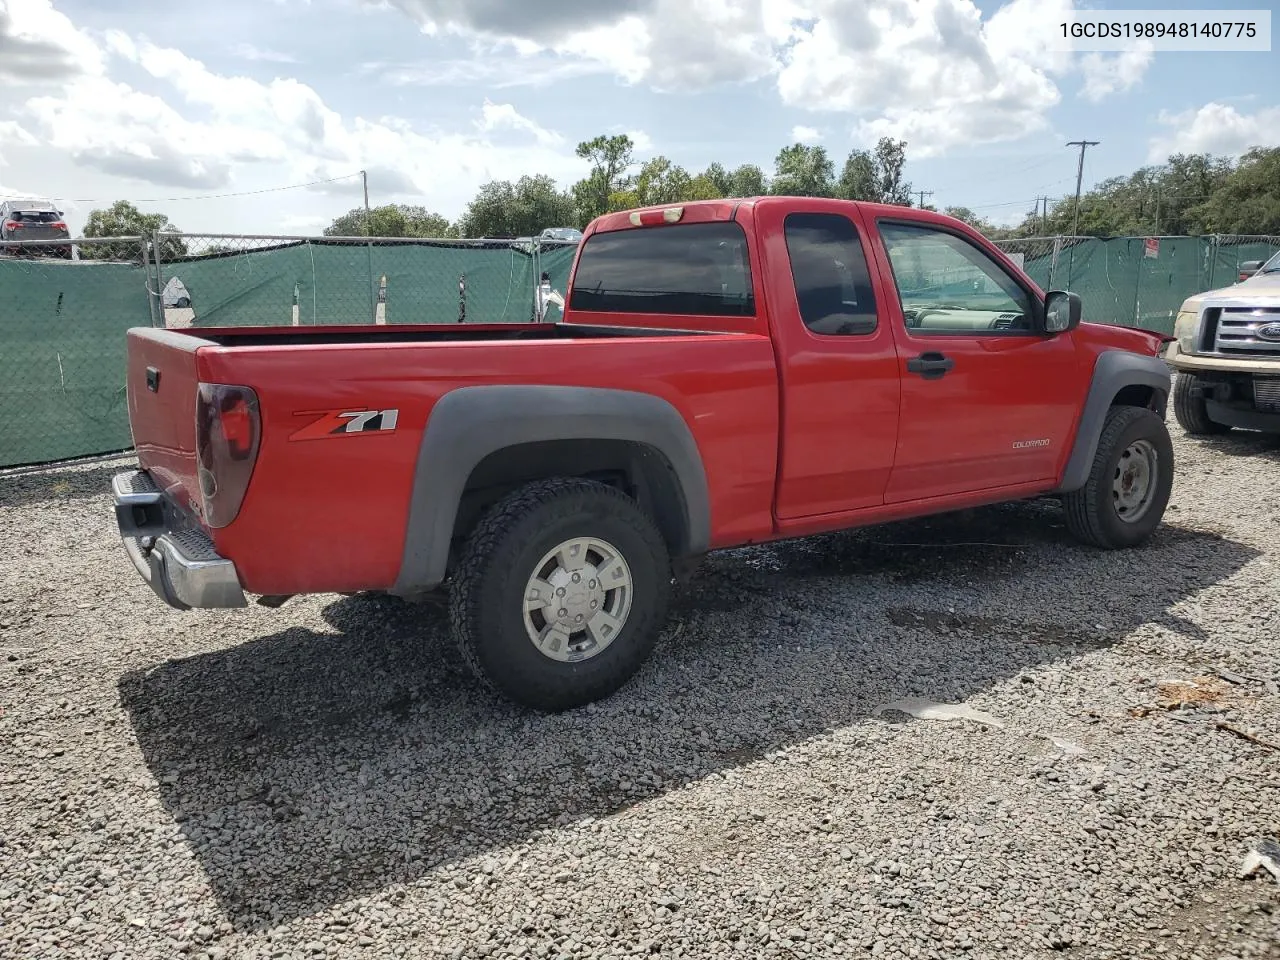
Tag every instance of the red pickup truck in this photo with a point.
(725, 373)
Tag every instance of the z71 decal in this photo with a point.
(343, 423)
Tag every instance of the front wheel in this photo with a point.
(560, 593)
(1129, 484)
(1190, 409)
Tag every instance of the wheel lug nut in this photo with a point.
(594, 604)
(577, 577)
(560, 592)
(578, 618)
(592, 584)
(563, 612)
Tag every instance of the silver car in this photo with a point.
(23, 220)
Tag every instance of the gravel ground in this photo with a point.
(326, 779)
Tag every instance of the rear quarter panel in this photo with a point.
(329, 514)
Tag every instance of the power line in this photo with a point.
(221, 196)
(922, 194)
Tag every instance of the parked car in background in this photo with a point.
(1249, 268)
(24, 220)
(726, 372)
(1226, 353)
(561, 233)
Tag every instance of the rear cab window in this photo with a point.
(693, 269)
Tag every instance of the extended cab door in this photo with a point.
(837, 362)
(987, 400)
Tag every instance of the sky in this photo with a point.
(218, 113)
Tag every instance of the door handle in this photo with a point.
(930, 365)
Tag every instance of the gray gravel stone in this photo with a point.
(325, 779)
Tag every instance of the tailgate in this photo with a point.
(161, 385)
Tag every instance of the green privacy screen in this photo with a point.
(62, 356)
(1137, 281)
(63, 323)
(328, 283)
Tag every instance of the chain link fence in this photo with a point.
(1136, 281)
(210, 280)
(67, 304)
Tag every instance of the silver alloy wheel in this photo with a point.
(1134, 485)
(577, 599)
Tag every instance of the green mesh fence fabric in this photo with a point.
(1137, 281)
(63, 323)
(326, 283)
(62, 356)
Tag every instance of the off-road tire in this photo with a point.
(1191, 411)
(1091, 513)
(486, 605)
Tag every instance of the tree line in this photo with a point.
(1189, 194)
(618, 181)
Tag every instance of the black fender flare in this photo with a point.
(1113, 371)
(470, 423)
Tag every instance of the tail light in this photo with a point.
(12, 224)
(59, 225)
(228, 432)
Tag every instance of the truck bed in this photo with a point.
(326, 511)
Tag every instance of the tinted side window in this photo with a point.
(829, 269)
(947, 285)
(688, 269)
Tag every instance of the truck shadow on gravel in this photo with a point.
(315, 765)
(1242, 443)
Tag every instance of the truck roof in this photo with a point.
(702, 211)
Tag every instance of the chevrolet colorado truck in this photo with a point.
(1226, 353)
(725, 373)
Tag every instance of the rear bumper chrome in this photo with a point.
(180, 563)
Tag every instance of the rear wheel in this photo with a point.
(560, 593)
(1129, 484)
(1190, 409)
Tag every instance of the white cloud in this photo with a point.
(38, 44)
(1216, 128)
(929, 72)
(932, 72)
(801, 134)
(247, 51)
(669, 44)
(642, 141)
(498, 116)
(204, 130)
(1105, 75)
(539, 69)
(13, 132)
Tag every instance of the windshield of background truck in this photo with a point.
(695, 269)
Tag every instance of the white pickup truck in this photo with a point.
(1227, 356)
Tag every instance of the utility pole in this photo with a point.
(922, 194)
(368, 232)
(1044, 218)
(1083, 145)
(1075, 226)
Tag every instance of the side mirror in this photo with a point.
(1061, 311)
(1251, 266)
